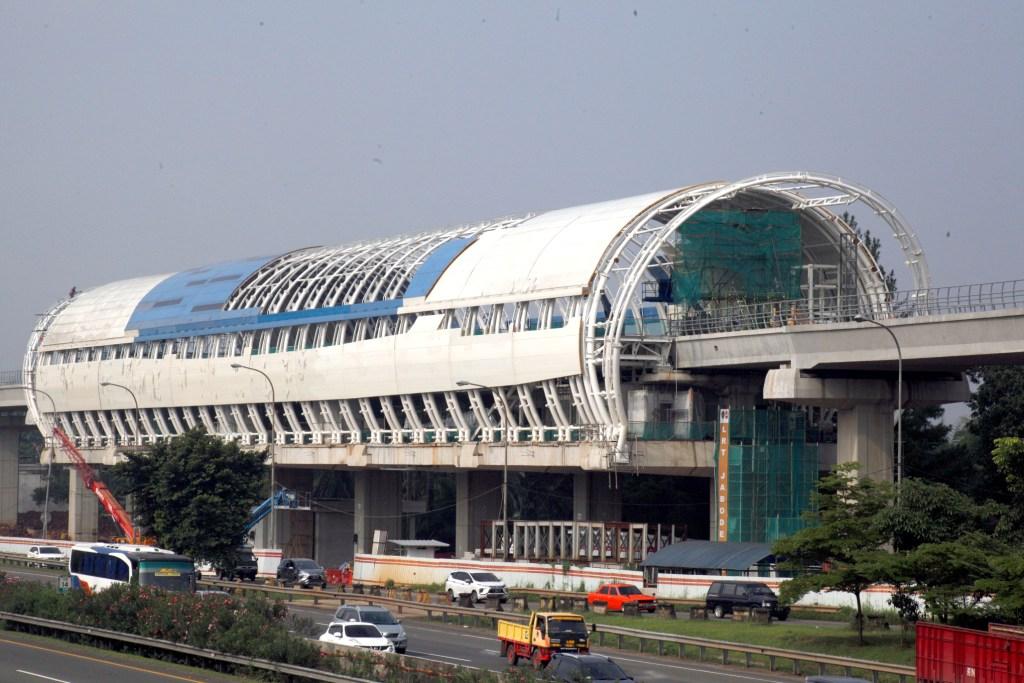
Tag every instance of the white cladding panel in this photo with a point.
(98, 317)
(553, 254)
(415, 362)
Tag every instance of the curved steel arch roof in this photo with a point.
(600, 252)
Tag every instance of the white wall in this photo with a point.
(408, 570)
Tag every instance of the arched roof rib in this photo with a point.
(597, 253)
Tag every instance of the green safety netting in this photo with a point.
(737, 256)
(772, 472)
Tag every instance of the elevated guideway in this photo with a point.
(13, 411)
(942, 333)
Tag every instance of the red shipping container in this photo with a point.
(946, 654)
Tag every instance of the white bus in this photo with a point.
(96, 567)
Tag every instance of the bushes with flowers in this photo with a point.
(253, 627)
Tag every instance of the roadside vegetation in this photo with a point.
(251, 627)
(839, 640)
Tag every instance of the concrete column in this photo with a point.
(83, 510)
(581, 496)
(334, 528)
(477, 499)
(865, 436)
(9, 476)
(594, 499)
(378, 505)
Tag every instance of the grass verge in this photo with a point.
(882, 646)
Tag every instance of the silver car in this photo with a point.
(380, 617)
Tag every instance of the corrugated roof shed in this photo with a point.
(709, 555)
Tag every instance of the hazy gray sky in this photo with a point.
(140, 138)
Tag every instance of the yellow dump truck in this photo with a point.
(546, 634)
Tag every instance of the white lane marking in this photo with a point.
(693, 668)
(29, 673)
(449, 633)
(435, 654)
(490, 652)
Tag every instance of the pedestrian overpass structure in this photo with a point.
(591, 340)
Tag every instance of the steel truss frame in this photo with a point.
(585, 407)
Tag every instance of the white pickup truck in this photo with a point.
(478, 585)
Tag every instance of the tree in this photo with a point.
(946, 575)
(1008, 456)
(997, 411)
(60, 485)
(931, 513)
(874, 247)
(194, 493)
(846, 539)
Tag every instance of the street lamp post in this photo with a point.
(899, 396)
(49, 462)
(271, 446)
(138, 413)
(504, 472)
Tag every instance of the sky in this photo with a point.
(151, 137)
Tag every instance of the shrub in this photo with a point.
(254, 627)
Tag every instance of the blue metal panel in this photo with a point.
(192, 302)
(252, 319)
(194, 296)
(427, 275)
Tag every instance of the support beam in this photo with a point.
(83, 511)
(9, 476)
(378, 505)
(477, 499)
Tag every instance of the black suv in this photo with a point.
(301, 571)
(723, 596)
(242, 566)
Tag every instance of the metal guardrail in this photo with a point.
(288, 670)
(23, 561)
(10, 377)
(702, 645)
(758, 315)
(800, 660)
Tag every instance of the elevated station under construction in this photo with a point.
(541, 350)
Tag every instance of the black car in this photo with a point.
(241, 566)
(565, 666)
(300, 571)
(723, 596)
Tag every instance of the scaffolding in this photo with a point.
(585, 542)
(772, 472)
(734, 257)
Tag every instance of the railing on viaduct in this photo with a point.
(975, 298)
(10, 377)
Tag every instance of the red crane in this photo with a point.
(90, 479)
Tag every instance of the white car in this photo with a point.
(477, 585)
(46, 552)
(357, 634)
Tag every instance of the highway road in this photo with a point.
(468, 646)
(32, 659)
